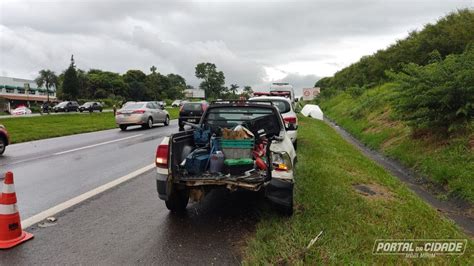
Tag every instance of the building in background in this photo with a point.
(15, 92)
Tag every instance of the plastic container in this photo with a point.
(238, 166)
(216, 164)
(237, 148)
(196, 161)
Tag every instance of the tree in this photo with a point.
(438, 97)
(47, 78)
(247, 92)
(234, 88)
(70, 85)
(213, 80)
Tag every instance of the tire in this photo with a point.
(178, 200)
(66, 110)
(167, 121)
(80, 111)
(149, 123)
(295, 144)
(123, 127)
(287, 210)
(3, 143)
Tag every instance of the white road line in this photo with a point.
(74, 201)
(95, 145)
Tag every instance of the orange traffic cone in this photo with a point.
(10, 223)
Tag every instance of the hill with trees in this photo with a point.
(414, 101)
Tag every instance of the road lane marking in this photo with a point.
(76, 200)
(98, 144)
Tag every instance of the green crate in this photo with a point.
(237, 143)
(242, 161)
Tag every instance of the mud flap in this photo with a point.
(162, 188)
(280, 192)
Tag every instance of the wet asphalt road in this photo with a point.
(51, 171)
(130, 225)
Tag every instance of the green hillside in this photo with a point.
(414, 101)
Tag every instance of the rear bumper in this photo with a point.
(190, 119)
(134, 119)
(292, 134)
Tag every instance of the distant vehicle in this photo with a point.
(176, 103)
(145, 114)
(284, 89)
(285, 107)
(67, 106)
(90, 107)
(191, 112)
(4, 139)
(23, 110)
(161, 104)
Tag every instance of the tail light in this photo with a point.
(281, 161)
(290, 120)
(138, 112)
(161, 160)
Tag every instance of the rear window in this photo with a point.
(235, 115)
(282, 106)
(192, 107)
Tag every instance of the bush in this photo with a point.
(438, 97)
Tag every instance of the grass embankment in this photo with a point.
(446, 162)
(327, 169)
(23, 129)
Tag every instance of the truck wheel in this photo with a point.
(287, 210)
(178, 200)
(3, 144)
(123, 127)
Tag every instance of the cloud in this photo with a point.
(252, 42)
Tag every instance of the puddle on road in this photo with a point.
(373, 191)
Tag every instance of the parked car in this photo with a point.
(4, 139)
(145, 114)
(287, 112)
(181, 159)
(91, 107)
(176, 103)
(191, 112)
(22, 110)
(67, 106)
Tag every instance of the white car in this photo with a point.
(268, 162)
(23, 110)
(145, 114)
(287, 112)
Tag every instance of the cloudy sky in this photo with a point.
(253, 42)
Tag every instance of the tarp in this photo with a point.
(313, 111)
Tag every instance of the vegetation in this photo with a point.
(23, 129)
(450, 35)
(326, 201)
(447, 162)
(47, 78)
(70, 85)
(438, 97)
(213, 80)
(415, 102)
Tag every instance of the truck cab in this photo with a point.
(249, 137)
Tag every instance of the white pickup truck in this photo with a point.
(275, 176)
